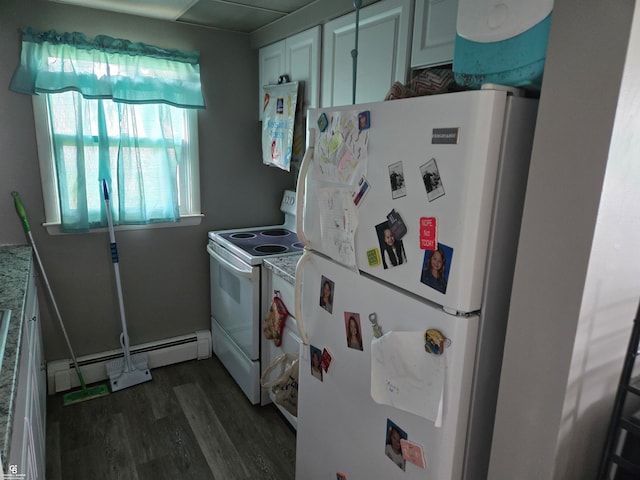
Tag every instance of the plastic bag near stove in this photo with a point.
(285, 385)
(279, 125)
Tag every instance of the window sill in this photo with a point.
(185, 221)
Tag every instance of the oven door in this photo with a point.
(235, 299)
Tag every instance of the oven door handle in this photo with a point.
(248, 272)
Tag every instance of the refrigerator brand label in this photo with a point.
(445, 136)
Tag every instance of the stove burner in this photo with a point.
(277, 232)
(242, 235)
(271, 249)
(261, 242)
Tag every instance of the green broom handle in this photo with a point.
(21, 212)
(25, 224)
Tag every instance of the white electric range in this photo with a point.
(236, 277)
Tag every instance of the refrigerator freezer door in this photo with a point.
(340, 427)
(431, 168)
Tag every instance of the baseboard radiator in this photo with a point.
(61, 374)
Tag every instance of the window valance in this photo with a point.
(107, 68)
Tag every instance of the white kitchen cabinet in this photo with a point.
(434, 32)
(384, 40)
(27, 447)
(298, 57)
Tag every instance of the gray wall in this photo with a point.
(577, 277)
(164, 271)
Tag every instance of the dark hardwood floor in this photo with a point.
(191, 421)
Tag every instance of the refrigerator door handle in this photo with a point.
(300, 193)
(298, 301)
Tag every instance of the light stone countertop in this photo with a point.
(284, 267)
(15, 265)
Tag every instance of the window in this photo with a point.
(149, 167)
(115, 111)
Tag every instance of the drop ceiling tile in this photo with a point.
(162, 9)
(229, 16)
(286, 6)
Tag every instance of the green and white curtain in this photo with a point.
(117, 112)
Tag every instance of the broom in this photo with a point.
(86, 393)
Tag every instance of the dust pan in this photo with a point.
(128, 371)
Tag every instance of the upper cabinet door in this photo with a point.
(383, 53)
(434, 32)
(302, 64)
(298, 57)
(271, 65)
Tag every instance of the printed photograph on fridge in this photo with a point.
(392, 249)
(432, 180)
(396, 178)
(316, 367)
(436, 266)
(392, 447)
(326, 294)
(354, 332)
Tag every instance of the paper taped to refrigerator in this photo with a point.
(404, 376)
(338, 224)
(341, 151)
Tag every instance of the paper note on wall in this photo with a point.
(338, 224)
(341, 152)
(406, 377)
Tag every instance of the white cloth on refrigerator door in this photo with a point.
(406, 377)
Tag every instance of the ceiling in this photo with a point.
(244, 16)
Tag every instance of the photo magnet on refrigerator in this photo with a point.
(432, 180)
(323, 122)
(391, 248)
(364, 120)
(436, 266)
(354, 330)
(428, 233)
(373, 257)
(412, 452)
(392, 447)
(325, 359)
(327, 290)
(396, 178)
(316, 367)
(435, 342)
(359, 194)
(396, 224)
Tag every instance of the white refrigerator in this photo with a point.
(410, 213)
